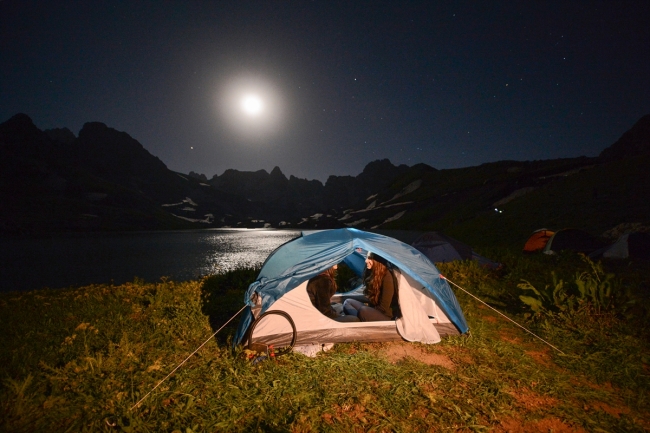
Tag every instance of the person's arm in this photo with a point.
(386, 295)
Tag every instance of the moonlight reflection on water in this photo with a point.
(233, 251)
(81, 259)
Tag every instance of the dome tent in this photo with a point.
(428, 305)
(538, 240)
(440, 248)
(634, 245)
(573, 240)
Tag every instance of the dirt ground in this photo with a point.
(526, 400)
(399, 351)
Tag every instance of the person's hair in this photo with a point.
(375, 279)
(331, 274)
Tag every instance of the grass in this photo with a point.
(78, 359)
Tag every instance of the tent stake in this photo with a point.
(499, 312)
(188, 357)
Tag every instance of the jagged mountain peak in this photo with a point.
(423, 167)
(18, 125)
(19, 137)
(112, 151)
(277, 173)
(381, 173)
(294, 179)
(235, 175)
(377, 165)
(99, 131)
(632, 143)
(20, 120)
(198, 176)
(61, 135)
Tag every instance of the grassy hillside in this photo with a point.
(502, 203)
(594, 200)
(79, 359)
(447, 198)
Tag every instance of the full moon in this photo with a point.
(252, 105)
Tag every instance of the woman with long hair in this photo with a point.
(381, 291)
(321, 288)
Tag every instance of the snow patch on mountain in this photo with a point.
(186, 201)
(357, 222)
(209, 218)
(371, 205)
(406, 190)
(515, 194)
(393, 218)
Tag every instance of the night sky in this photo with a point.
(332, 85)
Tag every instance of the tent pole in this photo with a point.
(494, 309)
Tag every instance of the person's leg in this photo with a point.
(351, 307)
(369, 314)
(347, 318)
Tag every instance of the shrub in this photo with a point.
(222, 295)
(593, 294)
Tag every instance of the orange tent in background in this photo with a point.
(538, 240)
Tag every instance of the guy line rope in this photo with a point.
(494, 309)
(188, 357)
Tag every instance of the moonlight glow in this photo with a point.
(251, 107)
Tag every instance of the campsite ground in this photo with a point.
(79, 359)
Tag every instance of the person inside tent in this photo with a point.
(321, 288)
(381, 291)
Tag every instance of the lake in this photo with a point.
(82, 259)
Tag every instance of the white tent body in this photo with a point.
(618, 250)
(422, 320)
(635, 245)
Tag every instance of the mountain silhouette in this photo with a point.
(634, 142)
(104, 179)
